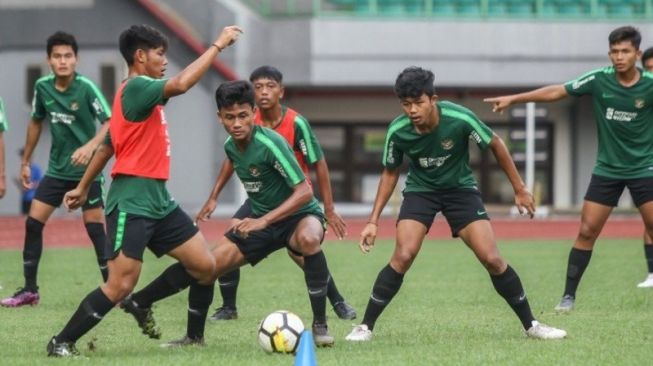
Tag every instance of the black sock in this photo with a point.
(32, 251)
(200, 298)
(316, 274)
(172, 280)
(332, 292)
(510, 288)
(648, 253)
(578, 261)
(96, 232)
(229, 288)
(89, 313)
(386, 286)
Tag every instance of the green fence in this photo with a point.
(483, 9)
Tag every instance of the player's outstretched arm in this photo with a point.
(523, 197)
(387, 184)
(83, 155)
(33, 133)
(324, 183)
(76, 198)
(225, 174)
(549, 93)
(182, 82)
(301, 195)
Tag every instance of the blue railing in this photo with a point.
(485, 9)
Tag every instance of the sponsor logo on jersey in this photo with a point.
(612, 114)
(390, 159)
(253, 171)
(74, 106)
(607, 95)
(56, 117)
(639, 103)
(302, 147)
(475, 136)
(433, 162)
(280, 169)
(447, 144)
(253, 186)
(578, 83)
(48, 102)
(97, 106)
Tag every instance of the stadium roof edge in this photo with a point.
(153, 8)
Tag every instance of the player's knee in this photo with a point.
(493, 263)
(404, 259)
(204, 271)
(309, 242)
(588, 233)
(118, 289)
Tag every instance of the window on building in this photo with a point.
(32, 73)
(108, 80)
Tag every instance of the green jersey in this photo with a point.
(439, 160)
(72, 114)
(138, 195)
(268, 171)
(4, 125)
(624, 119)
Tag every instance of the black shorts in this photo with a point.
(245, 210)
(51, 191)
(607, 191)
(459, 206)
(131, 234)
(260, 244)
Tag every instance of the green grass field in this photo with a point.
(446, 313)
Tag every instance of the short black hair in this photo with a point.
(266, 72)
(647, 55)
(60, 38)
(234, 92)
(413, 82)
(142, 37)
(626, 33)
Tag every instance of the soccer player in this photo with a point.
(283, 214)
(140, 211)
(268, 91)
(622, 97)
(4, 126)
(434, 135)
(647, 64)
(71, 103)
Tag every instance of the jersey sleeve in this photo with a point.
(140, 96)
(282, 159)
(392, 155)
(479, 132)
(582, 85)
(38, 109)
(306, 141)
(4, 124)
(99, 106)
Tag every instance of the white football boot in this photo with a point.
(360, 333)
(541, 331)
(648, 282)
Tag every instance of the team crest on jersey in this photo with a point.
(253, 171)
(447, 144)
(639, 103)
(74, 106)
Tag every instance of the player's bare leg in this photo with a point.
(593, 218)
(306, 239)
(479, 237)
(410, 235)
(39, 214)
(646, 210)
